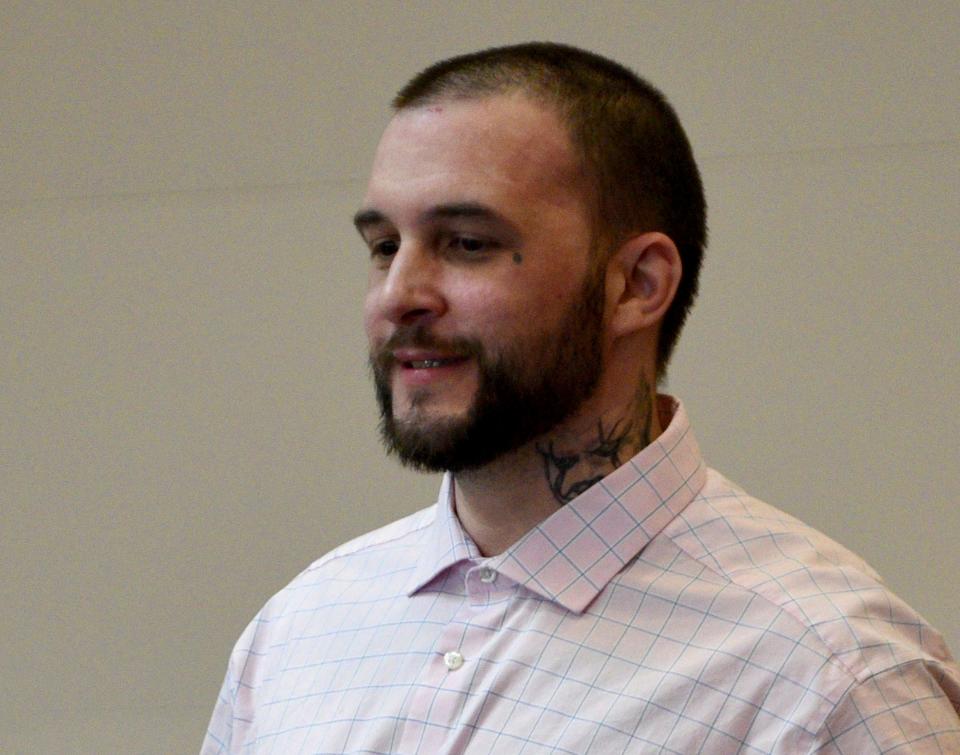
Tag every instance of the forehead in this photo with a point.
(502, 149)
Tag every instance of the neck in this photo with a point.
(501, 502)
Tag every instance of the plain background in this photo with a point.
(185, 416)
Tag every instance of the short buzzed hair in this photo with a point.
(633, 149)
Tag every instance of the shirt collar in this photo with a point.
(445, 542)
(572, 555)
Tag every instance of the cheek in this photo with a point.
(370, 319)
(547, 303)
(521, 302)
(481, 310)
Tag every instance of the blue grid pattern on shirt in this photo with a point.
(734, 628)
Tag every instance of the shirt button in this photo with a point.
(487, 575)
(452, 660)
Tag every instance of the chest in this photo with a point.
(505, 671)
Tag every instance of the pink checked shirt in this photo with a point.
(663, 610)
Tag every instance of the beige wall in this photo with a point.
(185, 420)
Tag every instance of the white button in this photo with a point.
(487, 575)
(453, 660)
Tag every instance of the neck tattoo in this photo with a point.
(570, 474)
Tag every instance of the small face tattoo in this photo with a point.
(517, 258)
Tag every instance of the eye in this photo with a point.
(384, 248)
(469, 244)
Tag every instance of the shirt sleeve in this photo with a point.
(231, 718)
(220, 730)
(906, 709)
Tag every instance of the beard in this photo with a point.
(523, 392)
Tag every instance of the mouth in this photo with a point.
(431, 364)
(423, 368)
(425, 359)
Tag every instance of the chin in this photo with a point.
(424, 408)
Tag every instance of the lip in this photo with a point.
(404, 356)
(419, 376)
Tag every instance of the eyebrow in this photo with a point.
(366, 218)
(461, 210)
(369, 217)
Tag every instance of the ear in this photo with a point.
(642, 279)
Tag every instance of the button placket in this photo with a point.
(446, 675)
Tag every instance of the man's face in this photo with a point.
(484, 320)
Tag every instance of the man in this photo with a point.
(584, 583)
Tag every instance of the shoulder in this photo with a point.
(378, 562)
(885, 677)
(385, 553)
(348, 579)
(401, 536)
(822, 586)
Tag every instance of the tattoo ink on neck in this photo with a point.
(570, 474)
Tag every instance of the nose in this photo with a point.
(411, 289)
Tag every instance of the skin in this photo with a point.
(506, 275)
